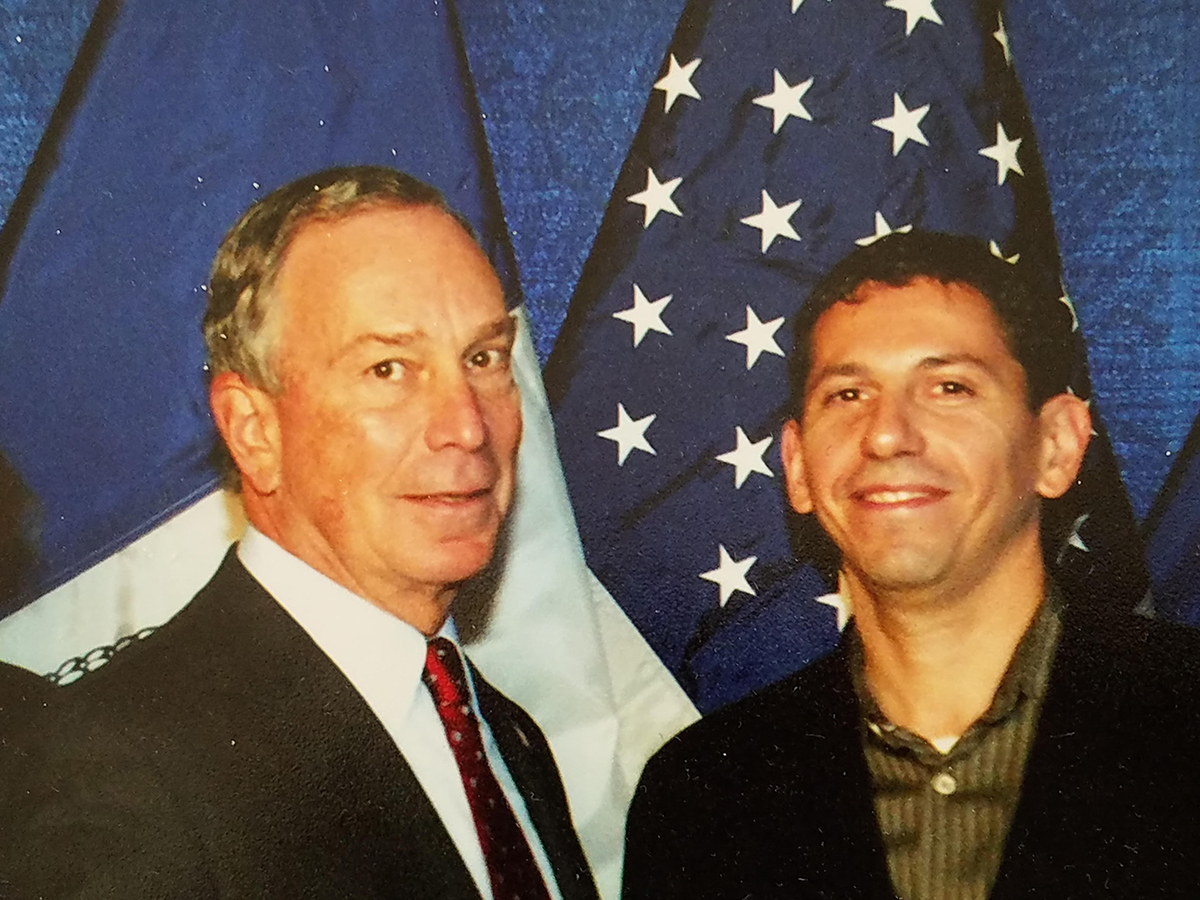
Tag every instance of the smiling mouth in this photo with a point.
(902, 497)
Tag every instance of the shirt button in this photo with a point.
(944, 784)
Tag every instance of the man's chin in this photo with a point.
(898, 572)
(456, 560)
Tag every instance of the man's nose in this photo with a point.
(456, 418)
(892, 428)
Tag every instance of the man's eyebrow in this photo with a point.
(959, 359)
(837, 370)
(505, 327)
(392, 339)
(929, 363)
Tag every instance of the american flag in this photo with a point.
(780, 135)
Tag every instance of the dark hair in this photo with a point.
(1037, 327)
(240, 329)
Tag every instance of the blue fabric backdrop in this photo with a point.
(1111, 86)
(174, 119)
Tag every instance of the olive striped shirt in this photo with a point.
(944, 817)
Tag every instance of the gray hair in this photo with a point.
(240, 329)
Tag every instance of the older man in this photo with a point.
(978, 733)
(307, 727)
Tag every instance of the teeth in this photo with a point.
(893, 496)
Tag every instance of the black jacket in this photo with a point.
(771, 796)
(228, 757)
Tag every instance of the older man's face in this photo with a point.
(398, 420)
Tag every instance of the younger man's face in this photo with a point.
(916, 447)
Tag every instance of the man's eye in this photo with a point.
(389, 368)
(845, 395)
(955, 388)
(487, 359)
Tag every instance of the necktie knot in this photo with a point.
(444, 674)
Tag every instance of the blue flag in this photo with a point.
(780, 134)
(175, 118)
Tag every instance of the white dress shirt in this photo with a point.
(383, 657)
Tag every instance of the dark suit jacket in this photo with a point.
(22, 697)
(227, 757)
(22, 694)
(771, 797)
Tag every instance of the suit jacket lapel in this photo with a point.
(828, 805)
(1061, 794)
(531, 764)
(347, 785)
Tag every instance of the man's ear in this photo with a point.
(248, 422)
(1065, 427)
(791, 455)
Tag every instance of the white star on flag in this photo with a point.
(758, 337)
(796, 4)
(784, 100)
(629, 434)
(730, 575)
(914, 12)
(656, 197)
(747, 458)
(882, 229)
(999, 254)
(678, 81)
(904, 124)
(773, 222)
(645, 315)
(1004, 152)
(1001, 37)
(1066, 301)
(839, 605)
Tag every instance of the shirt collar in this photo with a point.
(382, 655)
(1026, 678)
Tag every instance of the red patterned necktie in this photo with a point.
(513, 873)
